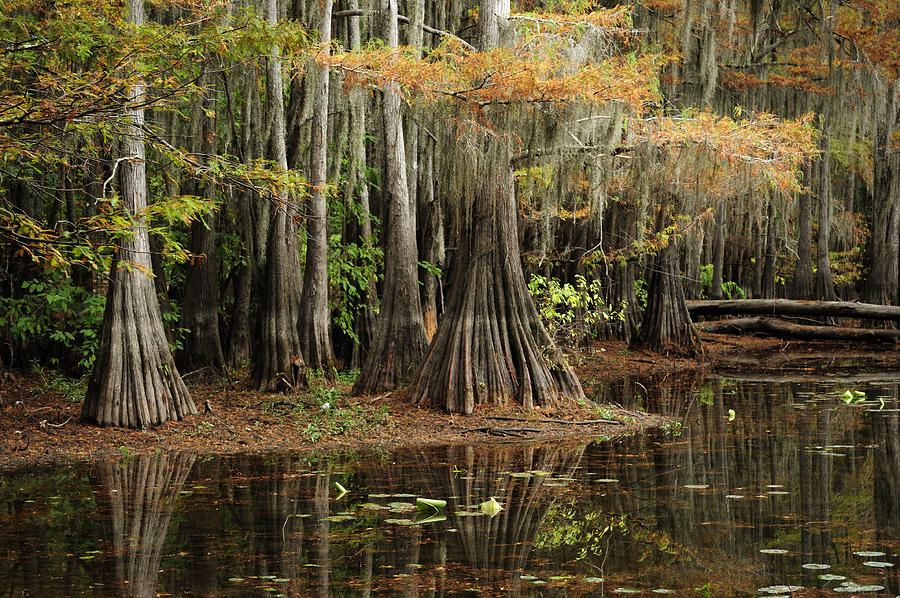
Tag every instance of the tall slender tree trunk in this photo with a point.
(824, 281)
(315, 318)
(358, 186)
(135, 381)
(884, 243)
(431, 242)
(279, 363)
(719, 252)
(803, 272)
(399, 340)
(771, 255)
(200, 311)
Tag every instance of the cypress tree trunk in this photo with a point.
(315, 318)
(768, 276)
(803, 272)
(399, 339)
(135, 381)
(884, 243)
(719, 253)
(491, 346)
(279, 362)
(824, 282)
(200, 311)
(431, 241)
(358, 185)
(667, 326)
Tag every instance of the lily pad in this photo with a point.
(832, 577)
(878, 564)
(868, 553)
(491, 507)
(697, 486)
(776, 551)
(815, 566)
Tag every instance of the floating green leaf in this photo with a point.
(430, 503)
(491, 507)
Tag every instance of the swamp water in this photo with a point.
(767, 487)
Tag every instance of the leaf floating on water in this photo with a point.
(491, 507)
(593, 579)
(734, 496)
(527, 577)
(853, 396)
(626, 591)
(779, 589)
(662, 591)
(341, 491)
(868, 553)
(86, 557)
(235, 579)
(399, 521)
(878, 564)
(431, 503)
(731, 415)
(697, 486)
(338, 518)
(832, 577)
(815, 566)
(774, 551)
(520, 474)
(777, 492)
(607, 481)
(437, 516)
(849, 586)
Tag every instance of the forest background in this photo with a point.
(435, 193)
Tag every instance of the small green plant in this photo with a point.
(53, 382)
(571, 313)
(730, 289)
(672, 428)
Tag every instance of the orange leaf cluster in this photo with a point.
(504, 76)
(765, 147)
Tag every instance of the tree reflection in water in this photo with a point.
(140, 494)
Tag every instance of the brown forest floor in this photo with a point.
(39, 420)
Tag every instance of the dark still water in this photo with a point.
(767, 487)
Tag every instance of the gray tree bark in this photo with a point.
(315, 318)
(399, 340)
(135, 381)
(279, 362)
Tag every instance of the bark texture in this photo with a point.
(279, 363)
(135, 381)
(399, 340)
(315, 318)
(667, 326)
(491, 346)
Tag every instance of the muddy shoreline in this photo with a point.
(39, 415)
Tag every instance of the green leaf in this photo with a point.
(490, 507)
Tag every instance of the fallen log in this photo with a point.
(787, 307)
(784, 329)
